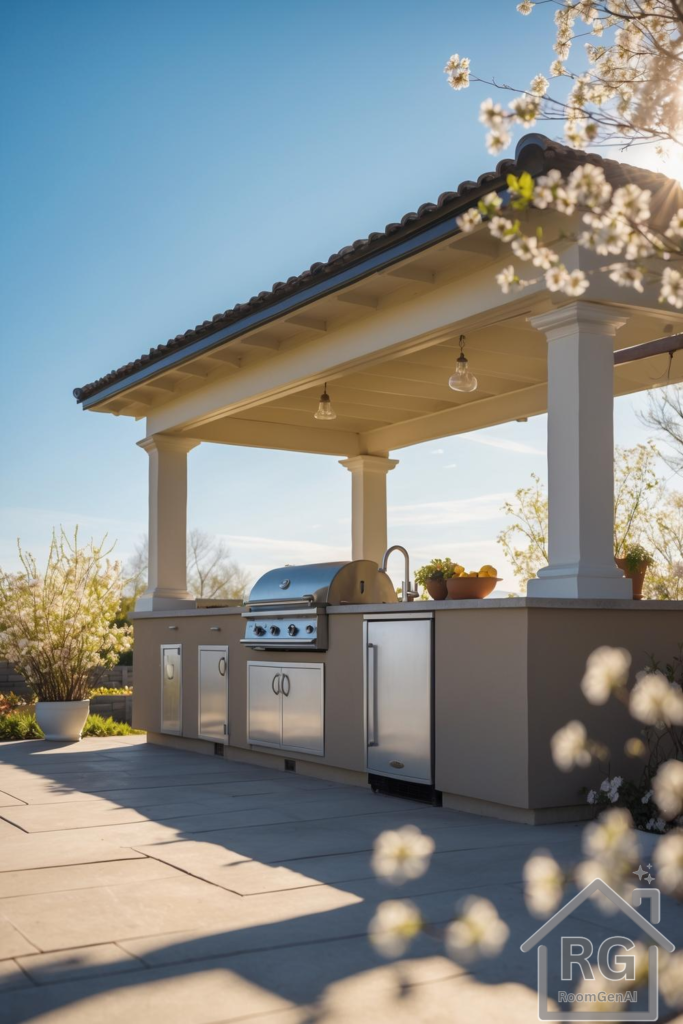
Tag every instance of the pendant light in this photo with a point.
(325, 410)
(463, 379)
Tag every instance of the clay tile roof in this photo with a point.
(534, 152)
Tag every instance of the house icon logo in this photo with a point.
(616, 961)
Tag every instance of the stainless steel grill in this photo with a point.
(287, 608)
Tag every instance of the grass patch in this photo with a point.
(22, 725)
(95, 725)
(112, 691)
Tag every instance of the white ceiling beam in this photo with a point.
(260, 434)
(413, 273)
(356, 299)
(311, 323)
(462, 419)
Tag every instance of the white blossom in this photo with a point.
(592, 796)
(556, 278)
(525, 109)
(590, 186)
(655, 825)
(525, 246)
(606, 672)
(500, 227)
(491, 114)
(468, 220)
(543, 884)
(458, 70)
(611, 787)
(667, 787)
(675, 228)
(656, 701)
(393, 927)
(672, 288)
(569, 747)
(575, 284)
(668, 857)
(477, 931)
(633, 202)
(498, 139)
(507, 278)
(539, 85)
(627, 277)
(611, 839)
(525, 7)
(402, 855)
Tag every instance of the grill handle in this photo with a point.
(372, 695)
(278, 604)
(275, 686)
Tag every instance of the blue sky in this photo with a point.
(165, 159)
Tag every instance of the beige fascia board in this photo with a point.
(418, 323)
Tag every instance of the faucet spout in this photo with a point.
(407, 592)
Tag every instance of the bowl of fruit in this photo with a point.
(465, 585)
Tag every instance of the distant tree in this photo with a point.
(663, 536)
(642, 513)
(211, 572)
(665, 415)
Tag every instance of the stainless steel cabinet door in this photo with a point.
(303, 708)
(265, 703)
(398, 674)
(171, 689)
(213, 692)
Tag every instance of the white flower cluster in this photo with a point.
(477, 931)
(569, 747)
(402, 855)
(656, 701)
(543, 884)
(458, 71)
(611, 846)
(606, 673)
(59, 625)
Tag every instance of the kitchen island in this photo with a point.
(504, 676)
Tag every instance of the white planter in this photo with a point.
(62, 719)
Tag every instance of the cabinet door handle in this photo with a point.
(275, 686)
(289, 685)
(222, 666)
(372, 695)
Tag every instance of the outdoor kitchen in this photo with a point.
(336, 669)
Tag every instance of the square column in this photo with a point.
(167, 569)
(368, 504)
(580, 454)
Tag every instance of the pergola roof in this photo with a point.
(380, 322)
(431, 222)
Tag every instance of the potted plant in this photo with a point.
(634, 564)
(58, 629)
(432, 577)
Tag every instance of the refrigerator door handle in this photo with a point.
(372, 695)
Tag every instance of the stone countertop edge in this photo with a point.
(403, 608)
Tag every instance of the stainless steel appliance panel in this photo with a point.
(399, 698)
(171, 689)
(265, 704)
(303, 708)
(213, 692)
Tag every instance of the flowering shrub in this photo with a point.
(57, 627)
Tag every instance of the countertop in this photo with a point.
(411, 607)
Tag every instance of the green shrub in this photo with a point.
(19, 725)
(95, 725)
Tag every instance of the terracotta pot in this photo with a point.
(437, 589)
(461, 588)
(62, 719)
(637, 576)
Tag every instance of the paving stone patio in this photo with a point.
(139, 883)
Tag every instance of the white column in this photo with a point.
(167, 569)
(580, 454)
(368, 504)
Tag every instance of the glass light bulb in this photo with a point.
(325, 410)
(463, 379)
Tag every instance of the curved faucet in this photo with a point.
(407, 593)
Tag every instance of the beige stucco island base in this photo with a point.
(506, 677)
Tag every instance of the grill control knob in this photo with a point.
(310, 629)
(292, 629)
(259, 630)
(274, 630)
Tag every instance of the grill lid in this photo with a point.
(323, 583)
